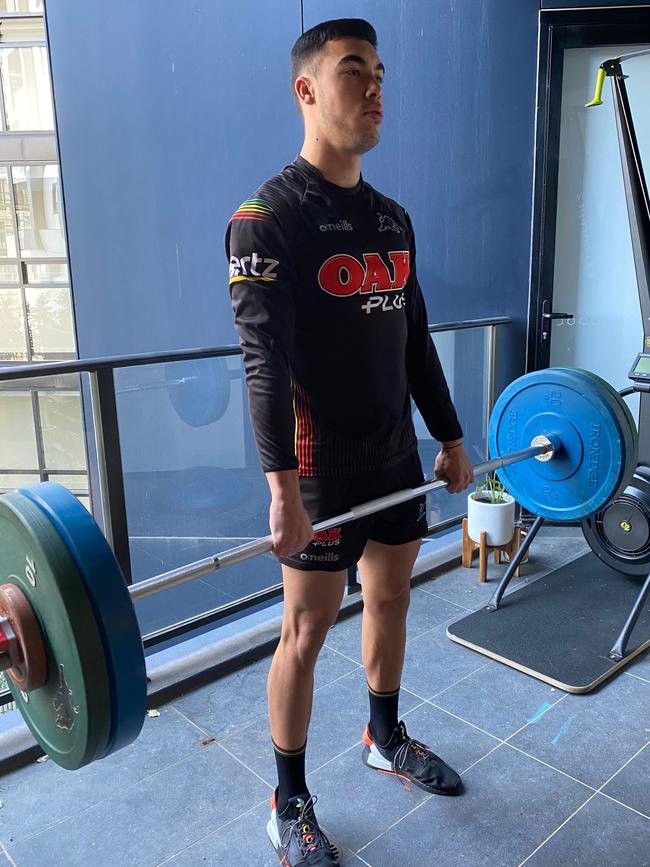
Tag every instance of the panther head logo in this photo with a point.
(388, 224)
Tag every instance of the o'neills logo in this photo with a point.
(341, 226)
(320, 558)
(343, 275)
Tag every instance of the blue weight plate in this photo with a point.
(111, 602)
(590, 467)
(630, 433)
(628, 429)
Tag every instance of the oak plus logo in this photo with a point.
(343, 275)
(388, 224)
(253, 267)
(327, 538)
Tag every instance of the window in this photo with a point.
(21, 6)
(13, 336)
(25, 75)
(49, 317)
(47, 273)
(37, 321)
(17, 432)
(41, 431)
(7, 230)
(42, 438)
(38, 211)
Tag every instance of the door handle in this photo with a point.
(547, 317)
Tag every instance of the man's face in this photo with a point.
(347, 84)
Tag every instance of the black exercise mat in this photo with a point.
(561, 627)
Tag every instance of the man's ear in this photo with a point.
(304, 88)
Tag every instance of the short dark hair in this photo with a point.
(312, 41)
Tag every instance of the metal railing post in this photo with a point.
(109, 466)
(489, 398)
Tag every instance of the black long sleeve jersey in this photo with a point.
(333, 326)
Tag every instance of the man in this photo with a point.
(333, 329)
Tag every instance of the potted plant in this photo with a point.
(492, 509)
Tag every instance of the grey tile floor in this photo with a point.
(551, 778)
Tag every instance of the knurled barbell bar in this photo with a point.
(69, 638)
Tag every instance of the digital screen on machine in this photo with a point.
(642, 364)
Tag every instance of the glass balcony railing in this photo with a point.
(173, 474)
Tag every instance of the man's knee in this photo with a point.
(302, 638)
(388, 602)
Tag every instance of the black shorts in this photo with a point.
(341, 547)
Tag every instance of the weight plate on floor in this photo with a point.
(70, 715)
(589, 469)
(112, 605)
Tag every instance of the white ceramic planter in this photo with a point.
(497, 519)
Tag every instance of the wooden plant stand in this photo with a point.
(470, 546)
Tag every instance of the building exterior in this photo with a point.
(40, 422)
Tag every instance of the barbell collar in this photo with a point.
(552, 442)
(9, 653)
(255, 548)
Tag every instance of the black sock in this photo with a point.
(383, 714)
(291, 775)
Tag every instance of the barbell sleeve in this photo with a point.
(254, 548)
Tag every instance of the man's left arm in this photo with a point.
(429, 389)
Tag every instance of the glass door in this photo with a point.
(585, 309)
(594, 277)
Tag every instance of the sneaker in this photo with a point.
(296, 836)
(411, 761)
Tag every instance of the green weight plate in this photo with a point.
(70, 715)
(590, 467)
(111, 603)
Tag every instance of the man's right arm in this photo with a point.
(289, 523)
(261, 288)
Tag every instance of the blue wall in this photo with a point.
(168, 116)
(167, 121)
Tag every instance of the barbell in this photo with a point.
(564, 444)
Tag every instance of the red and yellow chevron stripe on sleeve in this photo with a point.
(253, 209)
